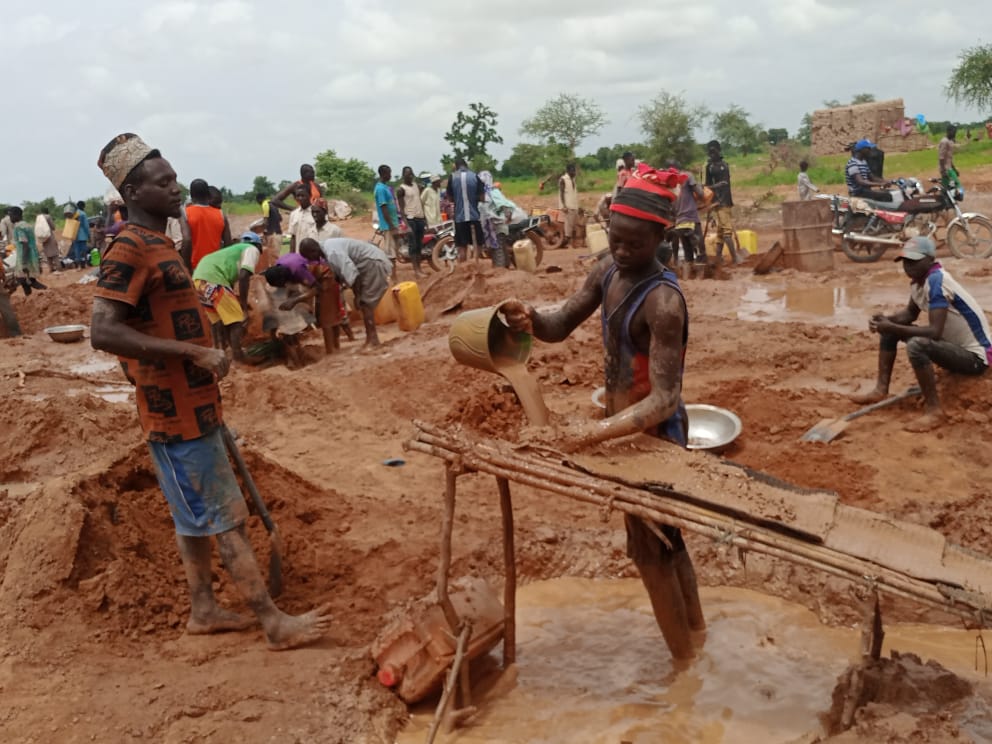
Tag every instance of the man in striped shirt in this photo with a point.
(957, 337)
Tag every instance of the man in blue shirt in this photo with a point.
(859, 176)
(385, 207)
(80, 250)
(466, 191)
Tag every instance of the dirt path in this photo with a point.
(92, 592)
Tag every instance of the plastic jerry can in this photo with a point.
(409, 306)
(386, 311)
(748, 240)
(94, 257)
(523, 256)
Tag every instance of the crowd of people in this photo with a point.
(168, 306)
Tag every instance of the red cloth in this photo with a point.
(648, 194)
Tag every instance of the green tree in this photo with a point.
(862, 98)
(805, 132)
(529, 159)
(262, 185)
(607, 157)
(777, 135)
(971, 81)
(669, 123)
(342, 176)
(565, 120)
(735, 132)
(832, 103)
(470, 136)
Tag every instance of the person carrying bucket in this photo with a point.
(645, 329)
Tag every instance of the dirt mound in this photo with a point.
(102, 550)
(61, 306)
(56, 436)
(901, 699)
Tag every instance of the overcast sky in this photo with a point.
(231, 89)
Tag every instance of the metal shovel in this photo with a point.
(829, 429)
(275, 539)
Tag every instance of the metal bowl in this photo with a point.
(710, 427)
(66, 334)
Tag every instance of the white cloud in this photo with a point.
(230, 89)
(164, 15)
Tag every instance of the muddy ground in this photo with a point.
(93, 601)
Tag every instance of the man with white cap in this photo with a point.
(957, 337)
(146, 311)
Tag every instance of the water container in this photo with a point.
(94, 257)
(386, 311)
(524, 256)
(71, 229)
(748, 240)
(409, 306)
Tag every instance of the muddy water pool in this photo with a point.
(592, 667)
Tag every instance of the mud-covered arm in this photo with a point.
(666, 318)
(109, 332)
(556, 325)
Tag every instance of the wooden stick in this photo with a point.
(678, 509)
(510, 571)
(447, 521)
(720, 528)
(449, 683)
(41, 372)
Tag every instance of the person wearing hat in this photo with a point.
(645, 329)
(146, 311)
(956, 338)
(430, 197)
(214, 279)
(857, 173)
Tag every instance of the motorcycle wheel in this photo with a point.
(863, 252)
(973, 242)
(437, 250)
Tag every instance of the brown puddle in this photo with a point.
(836, 305)
(591, 667)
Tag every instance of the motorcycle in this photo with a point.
(869, 228)
(438, 246)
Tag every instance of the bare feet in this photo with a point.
(293, 631)
(872, 396)
(219, 621)
(926, 422)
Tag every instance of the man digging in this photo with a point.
(645, 330)
(146, 311)
(956, 338)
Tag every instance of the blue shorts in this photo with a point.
(199, 484)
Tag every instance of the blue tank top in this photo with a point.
(628, 368)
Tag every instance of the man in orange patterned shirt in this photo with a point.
(147, 312)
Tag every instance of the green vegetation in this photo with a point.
(565, 120)
(971, 81)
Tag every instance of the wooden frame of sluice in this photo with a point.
(462, 455)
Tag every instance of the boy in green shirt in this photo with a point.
(214, 279)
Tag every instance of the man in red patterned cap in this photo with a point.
(645, 330)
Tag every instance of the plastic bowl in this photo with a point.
(66, 334)
(711, 427)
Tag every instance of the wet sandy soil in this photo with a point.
(92, 594)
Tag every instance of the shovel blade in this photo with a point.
(825, 431)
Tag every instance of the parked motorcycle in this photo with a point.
(439, 245)
(869, 228)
